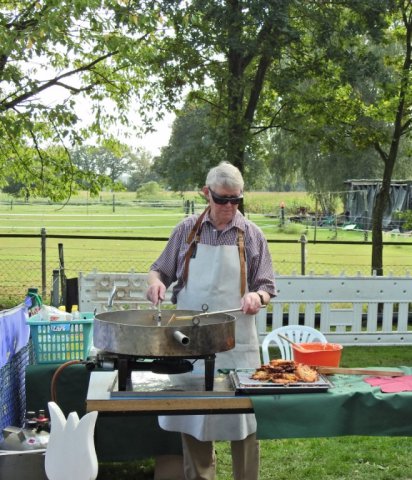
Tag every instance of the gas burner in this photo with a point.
(132, 334)
(126, 364)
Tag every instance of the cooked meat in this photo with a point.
(289, 379)
(305, 373)
(285, 371)
(261, 375)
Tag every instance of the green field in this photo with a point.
(137, 231)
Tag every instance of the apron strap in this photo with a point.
(242, 260)
(193, 239)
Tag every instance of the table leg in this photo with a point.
(209, 371)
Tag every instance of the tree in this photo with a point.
(400, 119)
(358, 95)
(111, 158)
(194, 145)
(141, 170)
(340, 70)
(83, 49)
(232, 45)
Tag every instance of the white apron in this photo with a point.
(214, 278)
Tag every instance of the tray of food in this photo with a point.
(279, 376)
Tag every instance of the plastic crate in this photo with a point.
(59, 342)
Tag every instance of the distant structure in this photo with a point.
(361, 196)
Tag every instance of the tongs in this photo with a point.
(159, 314)
(204, 314)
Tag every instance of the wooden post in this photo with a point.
(43, 262)
(303, 242)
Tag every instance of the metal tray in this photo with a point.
(243, 384)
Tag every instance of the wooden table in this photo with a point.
(99, 398)
(351, 407)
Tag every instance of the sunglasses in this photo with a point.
(224, 200)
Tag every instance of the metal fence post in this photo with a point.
(62, 300)
(55, 300)
(303, 243)
(43, 262)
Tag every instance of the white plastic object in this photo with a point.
(75, 312)
(71, 453)
(296, 333)
(53, 314)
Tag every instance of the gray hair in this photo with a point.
(225, 175)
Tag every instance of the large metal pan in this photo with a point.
(136, 332)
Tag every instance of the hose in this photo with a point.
(56, 376)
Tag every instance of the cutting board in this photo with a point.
(359, 371)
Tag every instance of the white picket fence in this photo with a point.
(347, 310)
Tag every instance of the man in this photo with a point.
(221, 259)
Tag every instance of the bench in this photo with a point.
(349, 310)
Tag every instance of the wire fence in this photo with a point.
(30, 260)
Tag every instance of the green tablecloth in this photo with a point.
(352, 407)
(118, 437)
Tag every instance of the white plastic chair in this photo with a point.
(296, 333)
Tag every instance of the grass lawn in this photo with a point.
(339, 458)
(20, 265)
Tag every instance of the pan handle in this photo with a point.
(219, 312)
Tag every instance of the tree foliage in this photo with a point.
(141, 170)
(231, 45)
(310, 89)
(358, 98)
(194, 145)
(112, 158)
(53, 56)
(336, 75)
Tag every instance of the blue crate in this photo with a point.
(59, 342)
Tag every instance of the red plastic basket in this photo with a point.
(318, 354)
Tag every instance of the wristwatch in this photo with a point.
(262, 300)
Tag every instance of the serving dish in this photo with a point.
(244, 385)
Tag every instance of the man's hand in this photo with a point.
(251, 302)
(156, 290)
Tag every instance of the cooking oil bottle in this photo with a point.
(75, 312)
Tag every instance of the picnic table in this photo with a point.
(350, 407)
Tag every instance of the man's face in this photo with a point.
(224, 203)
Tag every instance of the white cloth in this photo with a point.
(214, 278)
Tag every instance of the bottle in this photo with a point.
(30, 422)
(33, 301)
(42, 422)
(64, 315)
(75, 312)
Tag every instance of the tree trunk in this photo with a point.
(377, 219)
(236, 141)
(383, 196)
(400, 125)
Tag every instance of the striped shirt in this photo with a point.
(260, 276)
